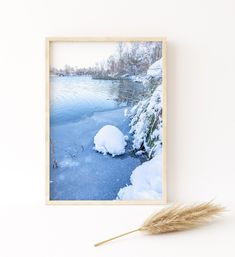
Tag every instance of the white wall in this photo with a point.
(201, 125)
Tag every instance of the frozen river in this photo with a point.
(76, 97)
(80, 106)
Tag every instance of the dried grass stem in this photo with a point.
(176, 218)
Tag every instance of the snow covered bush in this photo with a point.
(110, 139)
(146, 124)
(146, 182)
(146, 116)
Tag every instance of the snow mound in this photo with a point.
(146, 182)
(155, 70)
(110, 139)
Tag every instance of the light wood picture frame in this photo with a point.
(74, 67)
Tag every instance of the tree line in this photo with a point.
(130, 59)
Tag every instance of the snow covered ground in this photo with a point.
(146, 181)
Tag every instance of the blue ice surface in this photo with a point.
(79, 108)
(75, 97)
(83, 173)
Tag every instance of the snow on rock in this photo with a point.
(155, 70)
(146, 182)
(110, 139)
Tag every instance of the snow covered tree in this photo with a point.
(146, 116)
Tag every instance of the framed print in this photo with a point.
(106, 120)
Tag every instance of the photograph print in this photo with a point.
(106, 126)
